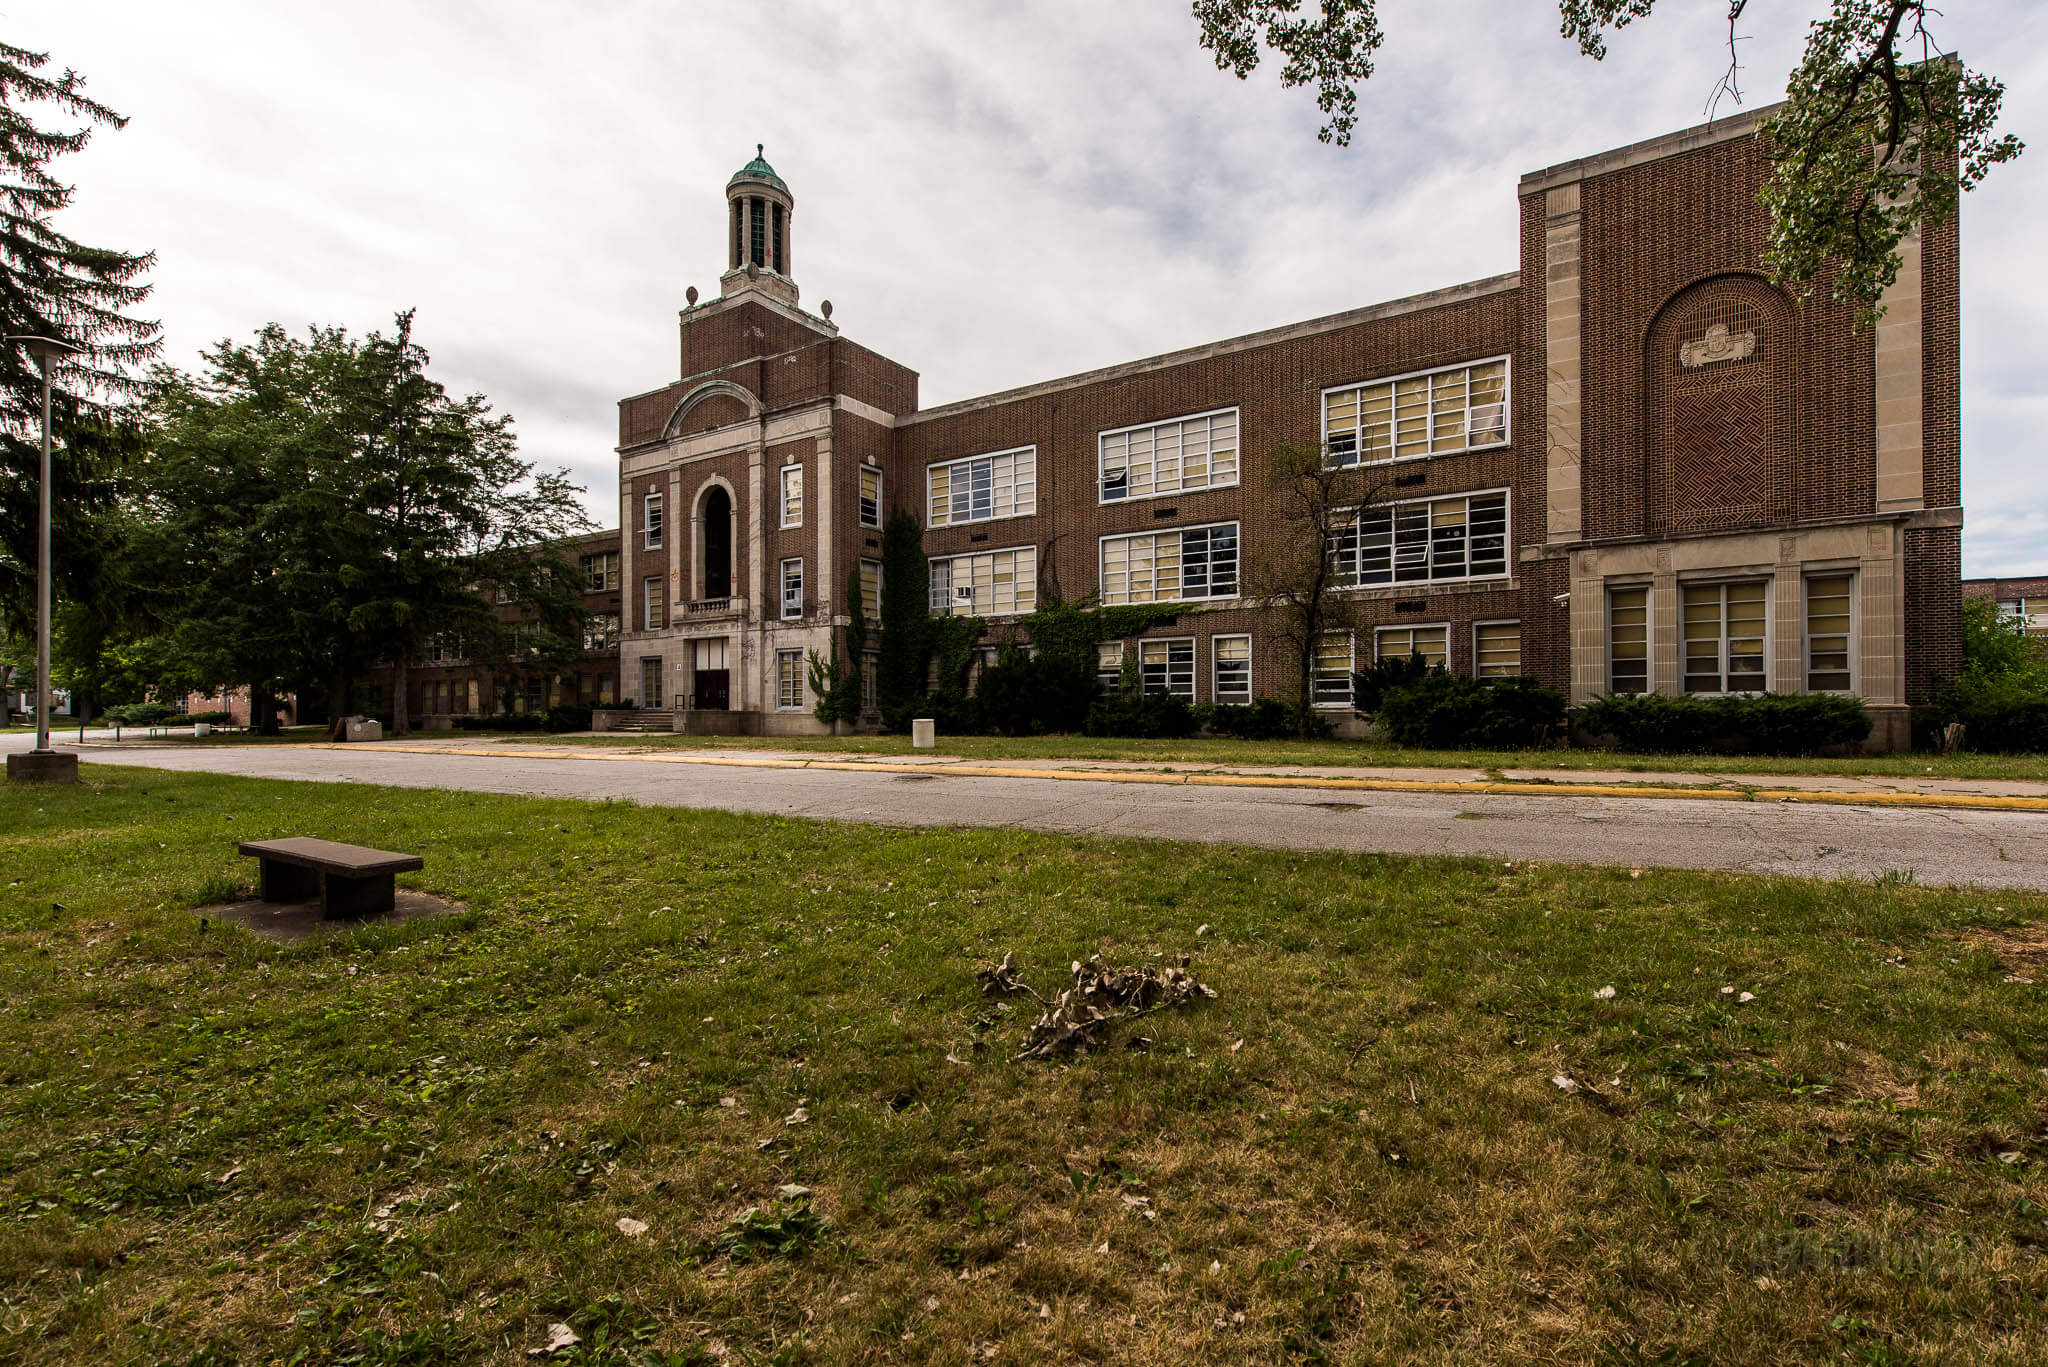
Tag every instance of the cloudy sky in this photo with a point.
(990, 191)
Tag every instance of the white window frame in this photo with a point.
(1023, 492)
(795, 674)
(653, 521)
(785, 581)
(1112, 681)
(785, 501)
(941, 602)
(860, 494)
(1855, 642)
(1169, 642)
(1354, 530)
(1649, 631)
(1350, 697)
(1507, 440)
(1770, 624)
(1237, 574)
(606, 563)
(1216, 674)
(650, 586)
(1411, 627)
(1514, 622)
(1209, 481)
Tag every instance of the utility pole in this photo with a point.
(43, 764)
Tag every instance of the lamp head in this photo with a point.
(46, 350)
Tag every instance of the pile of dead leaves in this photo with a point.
(1102, 994)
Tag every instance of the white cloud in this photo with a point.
(991, 193)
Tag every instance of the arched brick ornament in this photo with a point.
(1722, 381)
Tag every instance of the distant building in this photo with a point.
(1632, 465)
(2026, 599)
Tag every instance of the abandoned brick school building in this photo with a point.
(1630, 465)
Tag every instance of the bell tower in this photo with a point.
(759, 208)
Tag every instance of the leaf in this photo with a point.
(1565, 1083)
(560, 1336)
(632, 1228)
(799, 1116)
(1605, 994)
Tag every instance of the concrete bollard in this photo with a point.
(924, 733)
(200, 730)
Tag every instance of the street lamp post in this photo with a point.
(42, 764)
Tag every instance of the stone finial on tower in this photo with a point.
(760, 208)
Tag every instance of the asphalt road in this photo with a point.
(1983, 848)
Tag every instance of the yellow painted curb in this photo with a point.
(1212, 779)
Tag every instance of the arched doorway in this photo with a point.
(715, 521)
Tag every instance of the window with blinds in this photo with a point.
(990, 584)
(653, 604)
(1398, 643)
(1172, 457)
(1230, 668)
(789, 679)
(1436, 412)
(1170, 567)
(1830, 633)
(1628, 640)
(982, 488)
(1724, 637)
(792, 495)
(870, 496)
(1168, 667)
(1423, 540)
(793, 588)
(1109, 666)
(1330, 682)
(871, 590)
(1496, 650)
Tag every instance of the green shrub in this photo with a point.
(1266, 719)
(208, 718)
(1762, 723)
(2005, 713)
(575, 717)
(509, 721)
(1441, 711)
(1142, 716)
(140, 713)
(1369, 685)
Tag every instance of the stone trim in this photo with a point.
(1735, 126)
(1901, 371)
(1563, 362)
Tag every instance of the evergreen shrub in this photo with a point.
(1441, 711)
(1761, 723)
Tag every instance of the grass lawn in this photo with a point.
(1331, 752)
(416, 1144)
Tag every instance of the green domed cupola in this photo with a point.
(761, 209)
(758, 170)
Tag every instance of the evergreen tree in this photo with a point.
(53, 286)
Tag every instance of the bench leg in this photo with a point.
(346, 898)
(281, 882)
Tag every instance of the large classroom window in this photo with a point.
(1433, 413)
(1423, 540)
(1330, 683)
(1724, 637)
(982, 488)
(988, 584)
(601, 571)
(1171, 567)
(1496, 650)
(1178, 456)
(1431, 643)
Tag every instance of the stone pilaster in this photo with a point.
(1562, 362)
(1901, 359)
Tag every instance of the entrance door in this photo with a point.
(714, 681)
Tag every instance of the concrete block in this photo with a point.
(924, 733)
(47, 766)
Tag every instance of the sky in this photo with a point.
(993, 192)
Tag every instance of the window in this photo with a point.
(793, 587)
(991, 584)
(983, 488)
(1724, 637)
(601, 632)
(650, 522)
(1628, 640)
(1170, 567)
(792, 495)
(1109, 666)
(650, 682)
(1496, 650)
(1829, 632)
(1423, 540)
(1431, 643)
(607, 691)
(600, 571)
(1230, 669)
(1330, 686)
(1168, 667)
(507, 594)
(653, 606)
(758, 220)
(870, 496)
(979, 663)
(789, 679)
(870, 680)
(871, 590)
(1458, 408)
(1169, 457)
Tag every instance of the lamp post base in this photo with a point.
(43, 766)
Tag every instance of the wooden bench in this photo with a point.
(349, 880)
